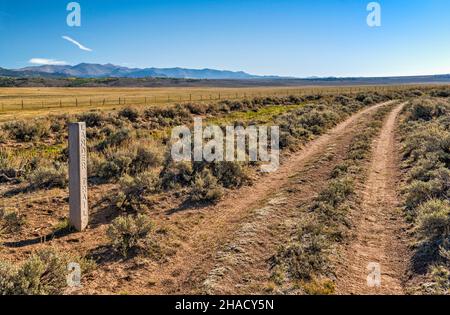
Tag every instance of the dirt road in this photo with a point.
(196, 259)
(380, 238)
(227, 251)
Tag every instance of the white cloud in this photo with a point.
(49, 62)
(73, 41)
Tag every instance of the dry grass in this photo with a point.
(29, 102)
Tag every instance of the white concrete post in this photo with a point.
(78, 186)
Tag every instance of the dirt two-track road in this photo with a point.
(227, 252)
(380, 236)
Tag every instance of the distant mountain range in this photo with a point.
(112, 75)
(87, 70)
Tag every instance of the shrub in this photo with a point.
(176, 174)
(315, 121)
(337, 191)
(419, 191)
(133, 191)
(424, 168)
(115, 139)
(196, 108)
(3, 137)
(441, 93)
(433, 219)
(129, 113)
(47, 177)
(146, 157)
(92, 119)
(440, 276)
(425, 140)
(129, 234)
(422, 109)
(368, 101)
(340, 170)
(115, 165)
(44, 273)
(27, 131)
(230, 174)
(11, 221)
(305, 257)
(57, 126)
(205, 188)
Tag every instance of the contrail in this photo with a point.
(73, 41)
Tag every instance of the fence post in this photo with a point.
(76, 102)
(104, 101)
(22, 104)
(60, 103)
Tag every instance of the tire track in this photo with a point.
(380, 236)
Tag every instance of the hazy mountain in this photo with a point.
(45, 69)
(30, 73)
(86, 70)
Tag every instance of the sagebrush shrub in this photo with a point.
(44, 273)
(11, 221)
(133, 191)
(441, 93)
(128, 234)
(129, 113)
(92, 119)
(433, 219)
(27, 131)
(47, 177)
(176, 174)
(115, 165)
(205, 188)
(3, 136)
(230, 174)
(146, 157)
(420, 191)
(115, 139)
(304, 257)
(337, 191)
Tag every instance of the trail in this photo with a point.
(380, 228)
(197, 255)
(224, 218)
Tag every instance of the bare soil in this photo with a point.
(380, 230)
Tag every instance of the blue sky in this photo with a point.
(280, 37)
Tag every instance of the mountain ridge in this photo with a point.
(88, 70)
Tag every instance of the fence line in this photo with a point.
(66, 102)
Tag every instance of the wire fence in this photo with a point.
(66, 101)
